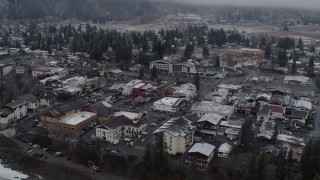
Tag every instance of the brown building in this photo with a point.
(68, 118)
(201, 154)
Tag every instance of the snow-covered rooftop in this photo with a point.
(129, 115)
(77, 118)
(213, 118)
(203, 148)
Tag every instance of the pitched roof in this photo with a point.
(68, 106)
(176, 126)
(202, 148)
(118, 121)
(213, 118)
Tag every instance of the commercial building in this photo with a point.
(5, 69)
(178, 134)
(186, 91)
(11, 112)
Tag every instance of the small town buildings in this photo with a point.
(209, 123)
(169, 104)
(206, 107)
(296, 118)
(264, 113)
(267, 130)
(231, 88)
(218, 96)
(296, 80)
(162, 65)
(48, 71)
(178, 134)
(201, 154)
(277, 112)
(127, 89)
(224, 150)
(103, 109)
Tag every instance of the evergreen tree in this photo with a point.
(300, 44)
(205, 52)
(282, 58)
(280, 163)
(310, 68)
(313, 48)
(154, 73)
(189, 50)
(262, 167)
(141, 73)
(217, 62)
(197, 81)
(251, 173)
(147, 158)
(286, 28)
(159, 155)
(246, 134)
(267, 53)
(294, 66)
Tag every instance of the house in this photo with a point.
(304, 95)
(297, 152)
(218, 96)
(201, 154)
(231, 88)
(142, 89)
(205, 107)
(127, 88)
(187, 91)
(267, 130)
(209, 123)
(178, 134)
(277, 112)
(296, 80)
(230, 128)
(32, 101)
(114, 74)
(169, 104)
(245, 106)
(5, 69)
(184, 67)
(277, 100)
(93, 83)
(121, 125)
(302, 105)
(11, 112)
(264, 113)
(296, 118)
(224, 150)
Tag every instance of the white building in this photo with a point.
(178, 134)
(187, 91)
(168, 104)
(296, 80)
(162, 65)
(218, 96)
(5, 69)
(206, 107)
(12, 112)
(224, 150)
(123, 124)
(127, 89)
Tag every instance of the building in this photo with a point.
(231, 88)
(162, 65)
(224, 150)
(218, 96)
(201, 154)
(277, 112)
(178, 134)
(11, 112)
(127, 89)
(48, 71)
(103, 110)
(5, 69)
(32, 101)
(206, 107)
(187, 91)
(209, 123)
(122, 125)
(68, 118)
(296, 80)
(169, 104)
(267, 130)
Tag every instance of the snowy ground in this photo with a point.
(9, 174)
(290, 139)
(8, 132)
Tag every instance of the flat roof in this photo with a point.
(77, 118)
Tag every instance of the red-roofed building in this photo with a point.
(277, 111)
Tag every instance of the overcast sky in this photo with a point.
(313, 4)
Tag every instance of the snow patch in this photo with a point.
(8, 132)
(9, 174)
(290, 139)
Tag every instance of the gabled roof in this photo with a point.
(118, 121)
(202, 148)
(66, 107)
(101, 108)
(212, 118)
(176, 126)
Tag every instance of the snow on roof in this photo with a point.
(225, 148)
(213, 118)
(212, 107)
(296, 78)
(176, 126)
(133, 82)
(227, 124)
(169, 101)
(301, 104)
(129, 115)
(77, 118)
(139, 85)
(229, 86)
(106, 104)
(203, 148)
